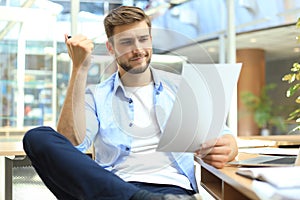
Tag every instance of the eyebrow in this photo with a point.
(143, 36)
(130, 37)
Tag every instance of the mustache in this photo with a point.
(139, 54)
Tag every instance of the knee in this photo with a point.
(37, 135)
(36, 139)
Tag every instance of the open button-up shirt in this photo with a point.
(109, 116)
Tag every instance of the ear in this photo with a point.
(110, 48)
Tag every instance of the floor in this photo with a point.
(27, 185)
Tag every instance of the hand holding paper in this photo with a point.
(220, 153)
(201, 107)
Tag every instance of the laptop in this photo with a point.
(269, 161)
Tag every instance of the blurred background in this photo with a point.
(35, 67)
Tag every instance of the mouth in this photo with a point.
(138, 59)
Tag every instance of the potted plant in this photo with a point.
(293, 78)
(266, 115)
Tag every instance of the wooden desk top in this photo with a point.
(13, 146)
(278, 139)
(228, 175)
(14, 129)
(11, 149)
(274, 137)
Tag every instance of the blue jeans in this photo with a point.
(71, 174)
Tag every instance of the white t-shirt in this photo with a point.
(144, 163)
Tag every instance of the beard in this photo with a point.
(134, 69)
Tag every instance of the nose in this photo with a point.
(137, 46)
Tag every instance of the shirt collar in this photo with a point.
(156, 79)
(158, 86)
(118, 83)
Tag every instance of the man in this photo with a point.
(120, 118)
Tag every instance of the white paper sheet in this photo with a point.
(280, 177)
(267, 191)
(201, 106)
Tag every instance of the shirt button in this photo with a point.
(130, 124)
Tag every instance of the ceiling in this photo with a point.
(279, 43)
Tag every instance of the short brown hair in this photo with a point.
(124, 15)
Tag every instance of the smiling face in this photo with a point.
(132, 47)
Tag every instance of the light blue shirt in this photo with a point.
(109, 116)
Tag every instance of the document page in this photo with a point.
(281, 177)
(267, 191)
(201, 106)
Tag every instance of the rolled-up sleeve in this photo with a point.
(227, 130)
(92, 122)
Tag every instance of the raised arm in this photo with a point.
(72, 122)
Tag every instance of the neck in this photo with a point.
(135, 80)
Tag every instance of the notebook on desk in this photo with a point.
(269, 161)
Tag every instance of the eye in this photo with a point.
(126, 42)
(144, 38)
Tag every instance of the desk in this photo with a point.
(7, 131)
(11, 154)
(12, 149)
(225, 183)
(279, 140)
